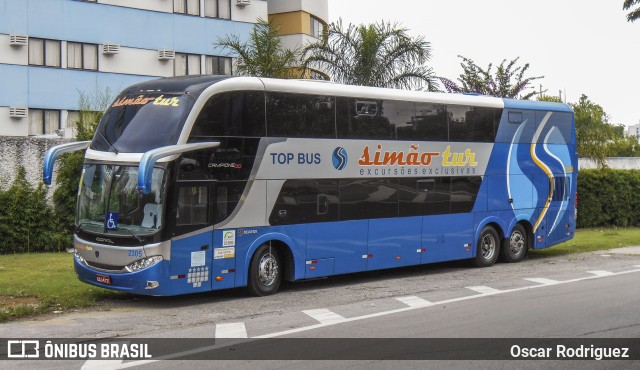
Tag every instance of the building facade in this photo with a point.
(52, 50)
(634, 130)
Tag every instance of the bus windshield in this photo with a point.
(109, 202)
(138, 123)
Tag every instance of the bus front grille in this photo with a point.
(104, 267)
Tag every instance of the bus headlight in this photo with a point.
(143, 263)
(79, 258)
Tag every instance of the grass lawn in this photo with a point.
(588, 240)
(40, 283)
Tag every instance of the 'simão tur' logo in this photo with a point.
(340, 158)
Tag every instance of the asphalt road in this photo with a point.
(594, 295)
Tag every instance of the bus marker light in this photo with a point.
(182, 276)
(218, 278)
(469, 245)
(421, 250)
(152, 285)
(398, 258)
(312, 268)
(365, 256)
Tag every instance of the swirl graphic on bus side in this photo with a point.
(340, 158)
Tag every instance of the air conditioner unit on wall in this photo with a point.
(18, 112)
(18, 40)
(166, 54)
(110, 49)
(243, 3)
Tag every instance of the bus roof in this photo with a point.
(197, 85)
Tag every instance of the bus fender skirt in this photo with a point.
(298, 257)
(491, 220)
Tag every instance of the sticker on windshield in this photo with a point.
(112, 221)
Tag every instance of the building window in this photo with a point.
(217, 65)
(43, 121)
(82, 56)
(186, 65)
(190, 7)
(317, 28)
(44, 52)
(217, 9)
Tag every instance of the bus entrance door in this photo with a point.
(192, 246)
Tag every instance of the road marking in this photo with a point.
(413, 301)
(325, 316)
(542, 281)
(484, 289)
(231, 330)
(101, 365)
(601, 273)
(364, 317)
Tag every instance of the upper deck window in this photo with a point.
(138, 123)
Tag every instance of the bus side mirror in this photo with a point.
(54, 152)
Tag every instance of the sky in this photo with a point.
(580, 47)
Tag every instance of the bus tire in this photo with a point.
(265, 271)
(487, 248)
(514, 248)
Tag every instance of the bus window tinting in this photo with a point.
(429, 124)
(292, 115)
(368, 198)
(363, 119)
(232, 160)
(306, 201)
(464, 191)
(138, 123)
(473, 124)
(424, 196)
(232, 114)
(227, 195)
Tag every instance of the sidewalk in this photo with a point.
(625, 250)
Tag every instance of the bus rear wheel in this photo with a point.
(488, 248)
(514, 248)
(265, 271)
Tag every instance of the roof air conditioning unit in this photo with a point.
(243, 3)
(18, 112)
(110, 49)
(165, 54)
(18, 40)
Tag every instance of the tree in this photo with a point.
(380, 54)
(593, 130)
(508, 82)
(263, 55)
(90, 109)
(633, 14)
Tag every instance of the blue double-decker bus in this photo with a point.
(194, 184)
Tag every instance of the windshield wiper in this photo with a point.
(139, 239)
(108, 142)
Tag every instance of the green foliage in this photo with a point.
(508, 82)
(380, 54)
(634, 14)
(263, 55)
(608, 198)
(593, 131)
(26, 220)
(549, 98)
(90, 107)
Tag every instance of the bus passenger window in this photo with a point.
(193, 206)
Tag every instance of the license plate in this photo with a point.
(103, 279)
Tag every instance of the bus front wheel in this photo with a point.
(265, 271)
(488, 248)
(515, 246)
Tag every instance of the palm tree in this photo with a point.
(634, 14)
(379, 54)
(262, 55)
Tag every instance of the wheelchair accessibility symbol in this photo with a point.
(112, 221)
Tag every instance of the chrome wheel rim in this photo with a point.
(268, 269)
(488, 246)
(516, 243)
